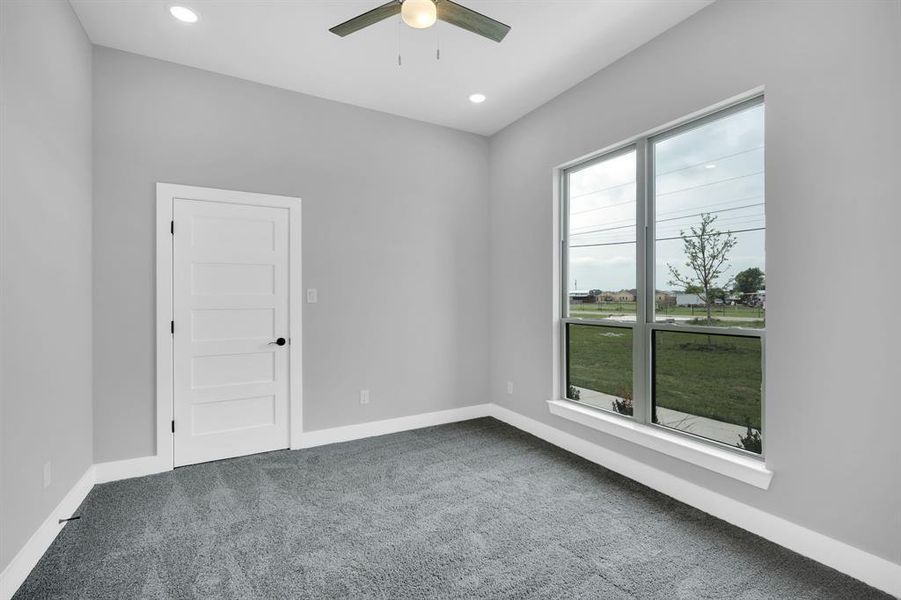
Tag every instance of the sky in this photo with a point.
(715, 168)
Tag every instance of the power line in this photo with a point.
(658, 175)
(678, 237)
(737, 226)
(667, 213)
(718, 233)
(588, 210)
(593, 231)
(711, 205)
(612, 187)
(722, 210)
(753, 216)
(656, 195)
(694, 187)
(708, 161)
(601, 244)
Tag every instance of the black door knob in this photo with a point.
(279, 342)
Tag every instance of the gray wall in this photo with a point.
(395, 222)
(831, 71)
(45, 262)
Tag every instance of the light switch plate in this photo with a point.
(312, 296)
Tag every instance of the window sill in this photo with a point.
(730, 464)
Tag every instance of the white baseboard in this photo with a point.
(24, 561)
(869, 568)
(320, 437)
(132, 467)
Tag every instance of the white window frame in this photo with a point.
(638, 428)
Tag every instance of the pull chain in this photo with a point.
(437, 42)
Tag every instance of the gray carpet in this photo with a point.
(470, 510)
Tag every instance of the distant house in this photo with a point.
(688, 300)
(582, 297)
(665, 298)
(620, 296)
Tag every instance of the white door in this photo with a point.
(231, 342)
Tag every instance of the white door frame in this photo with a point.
(165, 384)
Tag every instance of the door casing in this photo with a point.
(165, 396)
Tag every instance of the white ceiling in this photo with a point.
(553, 45)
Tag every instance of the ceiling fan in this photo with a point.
(420, 14)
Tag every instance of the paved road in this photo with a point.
(676, 318)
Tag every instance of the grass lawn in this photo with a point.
(719, 379)
(600, 358)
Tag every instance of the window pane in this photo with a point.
(601, 235)
(709, 385)
(599, 366)
(710, 223)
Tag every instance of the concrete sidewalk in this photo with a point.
(728, 433)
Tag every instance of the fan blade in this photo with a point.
(367, 18)
(470, 20)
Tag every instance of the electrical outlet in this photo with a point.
(47, 475)
(510, 388)
(364, 396)
(312, 296)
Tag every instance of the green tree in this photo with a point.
(750, 280)
(718, 293)
(707, 256)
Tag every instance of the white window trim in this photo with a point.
(703, 453)
(731, 464)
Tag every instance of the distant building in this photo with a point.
(582, 297)
(688, 300)
(665, 298)
(620, 296)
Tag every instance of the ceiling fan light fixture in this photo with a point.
(419, 14)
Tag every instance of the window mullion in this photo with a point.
(650, 280)
(641, 398)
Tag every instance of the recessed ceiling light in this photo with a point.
(185, 15)
(710, 166)
(477, 98)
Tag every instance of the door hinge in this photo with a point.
(173, 426)
(172, 227)
(172, 327)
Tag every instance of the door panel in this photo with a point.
(230, 298)
(221, 324)
(212, 279)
